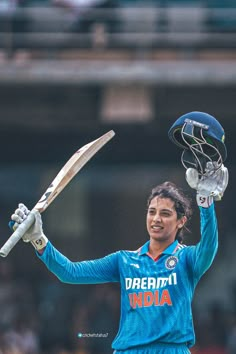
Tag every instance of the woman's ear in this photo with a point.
(183, 221)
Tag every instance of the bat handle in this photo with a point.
(18, 234)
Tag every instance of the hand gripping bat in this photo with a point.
(65, 175)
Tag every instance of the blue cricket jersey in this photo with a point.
(156, 295)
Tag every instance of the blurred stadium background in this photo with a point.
(70, 70)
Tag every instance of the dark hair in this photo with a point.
(182, 203)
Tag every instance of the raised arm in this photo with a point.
(202, 255)
(87, 272)
(210, 188)
(96, 271)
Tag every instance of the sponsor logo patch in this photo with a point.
(135, 265)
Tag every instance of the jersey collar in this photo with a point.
(169, 250)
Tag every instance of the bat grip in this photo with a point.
(18, 234)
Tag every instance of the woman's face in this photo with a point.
(162, 221)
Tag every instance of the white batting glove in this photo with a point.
(209, 187)
(35, 234)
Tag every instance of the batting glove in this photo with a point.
(211, 186)
(35, 233)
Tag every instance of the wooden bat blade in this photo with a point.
(70, 169)
(65, 175)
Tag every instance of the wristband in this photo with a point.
(40, 243)
(204, 201)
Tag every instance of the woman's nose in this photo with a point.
(156, 217)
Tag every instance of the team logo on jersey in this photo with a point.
(171, 262)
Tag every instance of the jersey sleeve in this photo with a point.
(202, 255)
(96, 271)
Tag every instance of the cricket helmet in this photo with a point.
(201, 137)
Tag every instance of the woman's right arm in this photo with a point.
(88, 272)
(96, 271)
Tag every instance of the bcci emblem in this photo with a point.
(171, 262)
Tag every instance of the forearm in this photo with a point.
(86, 272)
(207, 247)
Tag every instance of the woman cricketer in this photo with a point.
(157, 280)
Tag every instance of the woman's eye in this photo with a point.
(165, 214)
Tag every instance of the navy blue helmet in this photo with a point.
(201, 137)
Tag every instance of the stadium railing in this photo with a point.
(173, 27)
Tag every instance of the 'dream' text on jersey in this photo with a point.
(153, 294)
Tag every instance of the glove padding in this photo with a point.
(35, 234)
(209, 187)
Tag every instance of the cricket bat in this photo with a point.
(65, 175)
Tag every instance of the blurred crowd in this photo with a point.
(48, 317)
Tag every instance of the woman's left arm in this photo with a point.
(203, 254)
(210, 188)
